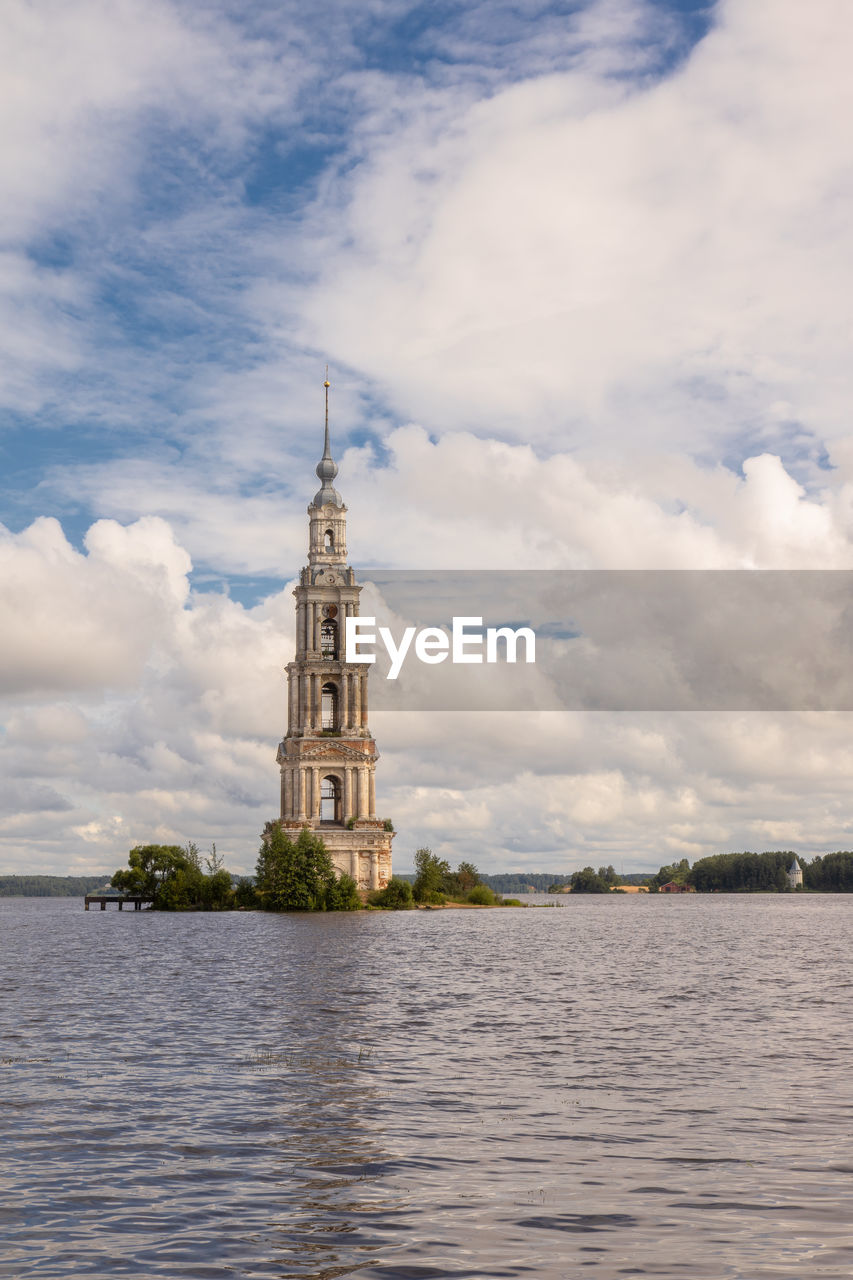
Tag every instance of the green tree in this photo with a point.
(679, 872)
(171, 879)
(150, 869)
(396, 896)
(217, 893)
(588, 881)
(214, 861)
(299, 875)
(459, 883)
(482, 896)
(183, 890)
(429, 880)
(192, 854)
(245, 895)
(832, 873)
(468, 876)
(342, 894)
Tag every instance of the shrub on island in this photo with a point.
(396, 896)
(482, 896)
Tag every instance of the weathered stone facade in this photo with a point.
(328, 757)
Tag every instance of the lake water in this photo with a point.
(623, 1086)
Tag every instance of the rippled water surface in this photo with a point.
(621, 1086)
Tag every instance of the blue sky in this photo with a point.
(580, 272)
(145, 259)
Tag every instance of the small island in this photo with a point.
(291, 875)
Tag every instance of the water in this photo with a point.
(620, 1087)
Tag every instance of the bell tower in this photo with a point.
(328, 757)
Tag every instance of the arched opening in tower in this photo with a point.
(328, 540)
(329, 638)
(329, 707)
(330, 799)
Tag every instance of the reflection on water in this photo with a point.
(626, 1086)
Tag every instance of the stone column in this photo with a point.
(316, 806)
(363, 802)
(372, 793)
(302, 797)
(285, 798)
(356, 700)
(343, 702)
(316, 628)
(374, 869)
(318, 703)
(292, 701)
(347, 793)
(304, 691)
(362, 681)
(354, 863)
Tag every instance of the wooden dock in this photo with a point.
(120, 898)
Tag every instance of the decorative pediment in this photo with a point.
(339, 751)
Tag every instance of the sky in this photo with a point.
(581, 272)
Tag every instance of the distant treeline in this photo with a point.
(522, 881)
(741, 872)
(759, 872)
(833, 873)
(511, 881)
(51, 886)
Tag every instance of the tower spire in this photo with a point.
(327, 468)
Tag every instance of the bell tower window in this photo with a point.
(330, 800)
(328, 540)
(329, 707)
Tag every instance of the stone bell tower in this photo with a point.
(328, 758)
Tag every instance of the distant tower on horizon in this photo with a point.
(795, 875)
(328, 757)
